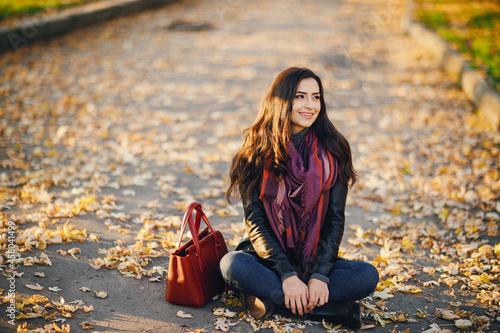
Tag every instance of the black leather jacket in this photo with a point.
(263, 241)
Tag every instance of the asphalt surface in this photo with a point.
(149, 109)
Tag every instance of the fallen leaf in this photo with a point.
(34, 287)
(101, 294)
(78, 302)
(446, 314)
(463, 323)
(88, 308)
(497, 250)
(86, 325)
(385, 294)
(183, 314)
(155, 279)
(74, 250)
(429, 283)
(93, 237)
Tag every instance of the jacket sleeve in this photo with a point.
(263, 239)
(332, 230)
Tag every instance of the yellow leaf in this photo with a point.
(407, 244)
(410, 289)
(497, 249)
(86, 325)
(74, 250)
(485, 278)
(384, 284)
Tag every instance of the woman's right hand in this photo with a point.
(296, 295)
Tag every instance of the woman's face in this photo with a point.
(306, 105)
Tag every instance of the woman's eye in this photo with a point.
(316, 97)
(299, 96)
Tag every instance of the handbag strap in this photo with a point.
(194, 227)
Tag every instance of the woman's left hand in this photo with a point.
(318, 293)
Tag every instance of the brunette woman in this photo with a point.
(293, 172)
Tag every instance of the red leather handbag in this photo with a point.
(193, 272)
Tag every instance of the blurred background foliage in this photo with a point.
(471, 26)
(19, 8)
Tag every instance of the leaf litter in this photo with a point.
(428, 182)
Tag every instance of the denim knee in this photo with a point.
(225, 265)
(233, 266)
(370, 276)
(373, 276)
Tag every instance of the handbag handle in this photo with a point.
(194, 227)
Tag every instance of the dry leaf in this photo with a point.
(93, 237)
(34, 287)
(463, 323)
(74, 251)
(88, 308)
(385, 294)
(101, 294)
(183, 314)
(429, 283)
(446, 314)
(155, 279)
(86, 325)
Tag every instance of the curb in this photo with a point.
(452, 63)
(33, 30)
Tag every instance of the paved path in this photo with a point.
(147, 118)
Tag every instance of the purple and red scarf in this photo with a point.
(296, 204)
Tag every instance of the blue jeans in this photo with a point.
(349, 281)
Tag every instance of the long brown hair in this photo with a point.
(271, 131)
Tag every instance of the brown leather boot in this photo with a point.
(259, 309)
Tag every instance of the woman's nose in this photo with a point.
(309, 103)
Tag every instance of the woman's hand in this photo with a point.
(296, 295)
(318, 294)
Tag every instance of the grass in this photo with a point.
(471, 26)
(19, 8)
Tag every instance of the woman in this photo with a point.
(292, 173)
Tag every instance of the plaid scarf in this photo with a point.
(296, 205)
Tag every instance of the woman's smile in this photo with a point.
(307, 115)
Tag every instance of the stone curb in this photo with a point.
(33, 30)
(452, 63)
